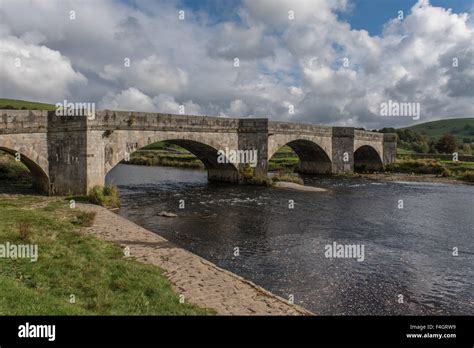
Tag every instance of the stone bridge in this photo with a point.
(71, 154)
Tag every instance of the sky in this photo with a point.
(333, 62)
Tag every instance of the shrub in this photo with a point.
(427, 166)
(248, 172)
(105, 196)
(260, 180)
(288, 178)
(468, 176)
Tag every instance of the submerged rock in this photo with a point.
(167, 214)
(298, 187)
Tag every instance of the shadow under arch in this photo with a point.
(312, 158)
(367, 158)
(208, 155)
(39, 177)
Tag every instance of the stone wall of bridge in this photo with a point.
(71, 154)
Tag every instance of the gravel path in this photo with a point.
(200, 281)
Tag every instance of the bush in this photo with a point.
(105, 196)
(288, 178)
(468, 176)
(426, 166)
(248, 172)
(259, 180)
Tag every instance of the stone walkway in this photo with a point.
(200, 281)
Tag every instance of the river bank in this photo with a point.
(199, 281)
(427, 178)
(69, 272)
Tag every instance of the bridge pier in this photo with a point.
(253, 135)
(342, 150)
(67, 154)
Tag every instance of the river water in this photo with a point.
(408, 266)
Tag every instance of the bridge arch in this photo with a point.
(40, 179)
(204, 149)
(366, 157)
(313, 159)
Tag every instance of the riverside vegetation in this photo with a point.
(285, 162)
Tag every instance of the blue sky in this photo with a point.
(370, 15)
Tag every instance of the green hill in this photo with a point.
(462, 128)
(15, 104)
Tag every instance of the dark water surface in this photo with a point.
(408, 251)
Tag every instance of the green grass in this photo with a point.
(401, 151)
(458, 168)
(170, 155)
(163, 158)
(25, 105)
(14, 176)
(432, 166)
(107, 196)
(285, 159)
(459, 127)
(74, 263)
(287, 178)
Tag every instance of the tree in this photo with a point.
(387, 130)
(466, 149)
(433, 148)
(447, 144)
(421, 147)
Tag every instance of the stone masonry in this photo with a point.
(71, 154)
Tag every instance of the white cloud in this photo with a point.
(151, 74)
(130, 99)
(30, 71)
(133, 99)
(283, 62)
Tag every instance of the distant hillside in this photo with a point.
(23, 104)
(460, 127)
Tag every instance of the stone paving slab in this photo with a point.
(201, 282)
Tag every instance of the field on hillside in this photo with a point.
(460, 127)
(14, 104)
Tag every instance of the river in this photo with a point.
(408, 266)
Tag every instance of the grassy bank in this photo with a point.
(71, 262)
(164, 158)
(14, 104)
(165, 154)
(457, 170)
(169, 155)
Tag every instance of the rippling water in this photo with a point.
(408, 251)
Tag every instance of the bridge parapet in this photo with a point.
(300, 128)
(125, 120)
(367, 135)
(23, 121)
